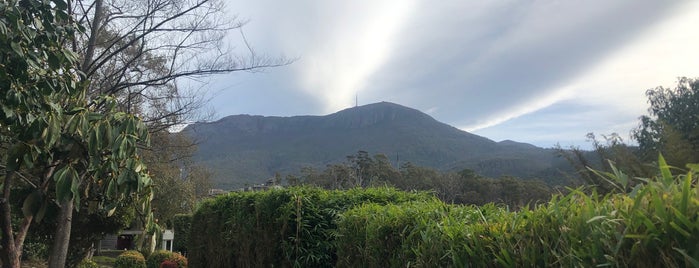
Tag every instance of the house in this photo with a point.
(125, 240)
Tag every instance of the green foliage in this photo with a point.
(671, 126)
(35, 250)
(130, 259)
(65, 145)
(182, 224)
(158, 257)
(87, 263)
(285, 227)
(655, 224)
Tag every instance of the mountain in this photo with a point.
(247, 149)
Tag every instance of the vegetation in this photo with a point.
(182, 224)
(73, 80)
(654, 222)
(671, 127)
(246, 149)
(283, 227)
(464, 187)
(130, 259)
(157, 258)
(56, 142)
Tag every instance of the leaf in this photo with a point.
(31, 204)
(54, 61)
(75, 188)
(664, 168)
(60, 4)
(691, 260)
(595, 218)
(41, 213)
(17, 49)
(64, 183)
(111, 189)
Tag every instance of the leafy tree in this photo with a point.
(672, 125)
(56, 140)
(153, 57)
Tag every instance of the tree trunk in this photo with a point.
(59, 251)
(10, 254)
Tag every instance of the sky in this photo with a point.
(540, 72)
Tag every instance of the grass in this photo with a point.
(104, 261)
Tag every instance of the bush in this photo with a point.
(168, 264)
(35, 251)
(178, 259)
(159, 256)
(87, 263)
(130, 259)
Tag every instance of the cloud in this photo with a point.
(337, 67)
(485, 64)
(490, 66)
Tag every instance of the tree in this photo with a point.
(56, 140)
(672, 125)
(153, 56)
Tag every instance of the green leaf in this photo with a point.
(60, 4)
(75, 188)
(111, 189)
(14, 157)
(17, 49)
(54, 61)
(31, 204)
(64, 182)
(42, 212)
(664, 168)
(691, 260)
(686, 186)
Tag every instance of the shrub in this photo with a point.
(130, 259)
(178, 259)
(168, 264)
(157, 257)
(35, 251)
(87, 263)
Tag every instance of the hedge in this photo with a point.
(653, 222)
(280, 227)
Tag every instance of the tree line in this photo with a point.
(463, 187)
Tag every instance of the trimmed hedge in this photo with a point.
(159, 256)
(130, 259)
(280, 227)
(652, 223)
(182, 223)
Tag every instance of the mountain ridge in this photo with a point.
(247, 149)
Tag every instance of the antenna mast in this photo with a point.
(356, 100)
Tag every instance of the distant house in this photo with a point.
(125, 240)
(215, 192)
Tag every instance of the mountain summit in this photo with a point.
(246, 149)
